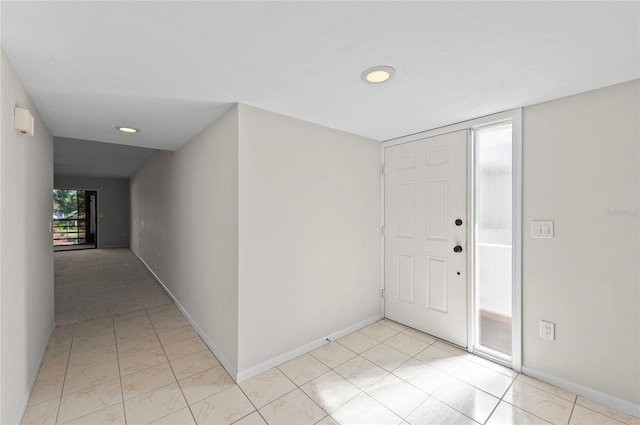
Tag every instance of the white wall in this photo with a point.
(113, 206)
(26, 254)
(184, 219)
(309, 233)
(266, 229)
(581, 159)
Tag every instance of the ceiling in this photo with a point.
(170, 68)
(73, 157)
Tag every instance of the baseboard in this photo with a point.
(275, 361)
(221, 358)
(590, 393)
(34, 376)
(240, 376)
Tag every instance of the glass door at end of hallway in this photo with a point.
(74, 219)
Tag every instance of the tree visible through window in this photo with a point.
(69, 226)
(65, 203)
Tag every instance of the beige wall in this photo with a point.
(309, 233)
(26, 253)
(266, 229)
(184, 222)
(581, 159)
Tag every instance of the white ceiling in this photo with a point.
(172, 68)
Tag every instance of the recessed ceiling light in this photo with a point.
(128, 129)
(377, 74)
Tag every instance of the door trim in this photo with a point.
(382, 201)
(516, 122)
(515, 116)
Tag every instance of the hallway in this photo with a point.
(95, 283)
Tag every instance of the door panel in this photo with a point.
(406, 210)
(425, 192)
(437, 281)
(405, 277)
(436, 209)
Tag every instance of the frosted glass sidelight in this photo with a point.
(493, 239)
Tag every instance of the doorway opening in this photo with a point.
(74, 219)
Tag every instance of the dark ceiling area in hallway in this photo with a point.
(74, 157)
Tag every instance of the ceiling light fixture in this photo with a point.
(377, 74)
(128, 129)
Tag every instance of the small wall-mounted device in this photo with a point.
(542, 229)
(23, 121)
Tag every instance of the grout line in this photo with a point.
(331, 370)
(71, 350)
(254, 406)
(66, 370)
(418, 406)
(493, 411)
(298, 387)
(142, 370)
(570, 415)
(544, 390)
(173, 372)
(605, 414)
(525, 411)
(124, 410)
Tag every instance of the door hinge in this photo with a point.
(382, 293)
(382, 230)
(382, 169)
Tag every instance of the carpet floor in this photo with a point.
(95, 283)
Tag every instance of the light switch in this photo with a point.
(542, 229)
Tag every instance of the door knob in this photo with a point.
(457, 248)
(458, 222)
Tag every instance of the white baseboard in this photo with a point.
(34, 376)
(223, 360)
(590, 393)
(268, 364)
(240, 376)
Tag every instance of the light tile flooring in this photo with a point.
(151, 367)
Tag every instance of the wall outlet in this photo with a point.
(547, 330)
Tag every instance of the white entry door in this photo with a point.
(425, 235)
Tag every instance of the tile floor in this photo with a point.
(151, 367)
